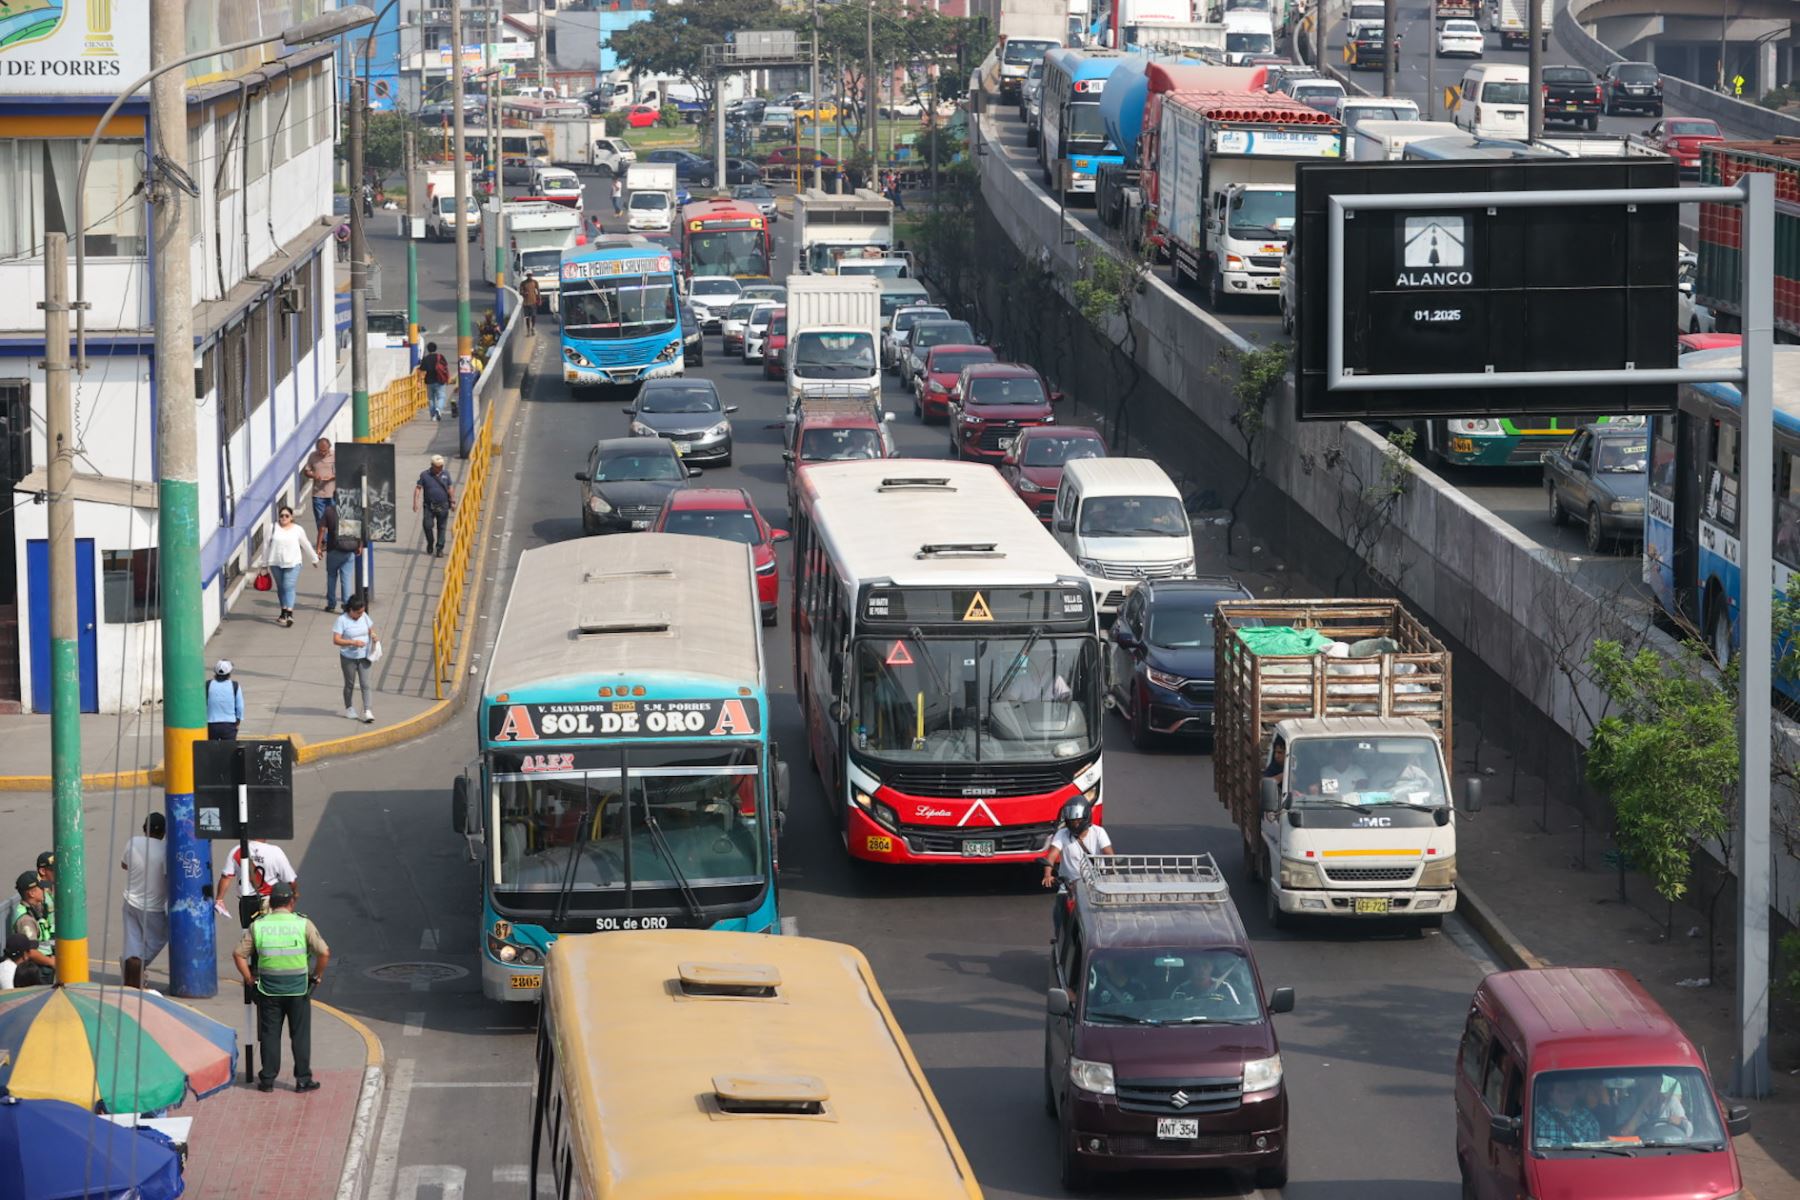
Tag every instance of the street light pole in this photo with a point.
(818, 171)
(359, 269)
(869, 87)
(1534, 59)
(465, 330)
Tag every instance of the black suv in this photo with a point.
(1631, 87)
(1159, 1051)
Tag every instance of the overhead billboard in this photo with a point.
(1452, 288)
(72, 47)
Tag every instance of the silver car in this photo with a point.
(756, 330)
(898, 324)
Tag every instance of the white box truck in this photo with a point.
(440, 206)
(828, 226)
(834, 326)
(1515, 21)
(578, 142)
(537, 233)
(650, 190)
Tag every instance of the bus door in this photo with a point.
(1694, 451)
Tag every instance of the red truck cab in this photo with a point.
(992, 404)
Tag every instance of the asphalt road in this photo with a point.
(1368, 1051)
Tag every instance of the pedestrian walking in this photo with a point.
(618, 198)
(342, 235)
(530, 296)
(283, 553)
(289, 960)
(340, 550)
(269, 866)
(321, 468)
(28, 917)
(894, 193)
(353, 633)
(146, 898)
(224, 704)
(434, 368)
(435, 495)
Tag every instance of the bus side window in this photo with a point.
(1722, 486)
(1787, 513)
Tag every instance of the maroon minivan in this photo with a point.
(1159, 1051)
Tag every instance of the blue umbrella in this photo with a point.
(50, 1150)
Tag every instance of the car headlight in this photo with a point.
(574, 356)
(599, 505)
(1090, 566)
(1026, 486)
(1095, 1077)
(638, 429)
(1439, 873)
(1296, 874)
(767, 568)
(1186, 564)
(1627, 506)
(932, 385)
(1262, 1074)
(969, 420)
(719, 430)
(1163, 679)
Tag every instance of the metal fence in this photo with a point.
(395, 405)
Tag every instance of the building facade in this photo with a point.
(260, 135)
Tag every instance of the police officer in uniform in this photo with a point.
(289, 957)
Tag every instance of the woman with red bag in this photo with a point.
(282, 555)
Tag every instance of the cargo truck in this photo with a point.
(1719, 277)
(1027, 29)
(828, 226)
(1331, 751)
(440, 206)
(579, 142)
(537, 233)
(650, 190)
(1224, 169)
(834, 327)
(1515, 22)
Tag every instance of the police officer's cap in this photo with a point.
(26, 881)
(47, 859)
(281, 893)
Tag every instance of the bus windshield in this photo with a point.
(631, 306)
(1083, 123)
(1014, 699)
(728, 252)
(661, 817)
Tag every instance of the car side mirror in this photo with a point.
(1123, 635)
(1737, 1120)
(731, 408)
(1281, 1000)
(1058, 1003)
(584, 477)
(787, 456)
(1065, 526)
(1472, 795)
(778, 535)
(1271, 796)
(1056, 397)
(629, 410)
(1686, 287)
(1504, 1130)
(693, 472)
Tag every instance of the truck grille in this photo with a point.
(1013, 839)
(1182, 1097)
(1266, 262)
(937, 781)
(1370, 874)
(1213, 1143)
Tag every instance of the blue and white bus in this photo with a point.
(627, 780)
(1072, 145)
(621, 312)
(1691, 547)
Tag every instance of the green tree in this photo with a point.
(384, 142)
(913, 38)
(673, 41)
(1260, 374)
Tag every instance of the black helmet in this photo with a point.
(1077, 815)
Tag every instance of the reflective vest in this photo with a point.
(281, 964)
(46, 937)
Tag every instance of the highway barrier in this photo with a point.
(395, 405)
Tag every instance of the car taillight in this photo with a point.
(1596, 91)
(1546, 89)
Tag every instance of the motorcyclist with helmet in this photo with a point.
(1077, 838)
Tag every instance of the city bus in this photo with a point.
(1073, 145)
(947, 661)
(621, 312)
(686, 1063)
(1691, 518)
(1518, 441)
(724, 237)
(626, 779)
(518, 147)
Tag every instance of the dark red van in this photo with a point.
(1573, 1084)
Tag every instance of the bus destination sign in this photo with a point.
(610, 268)
(732, 717)
(958, 606)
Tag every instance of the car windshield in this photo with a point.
(619, 308)
(1023, 389)
(905, 320)
(1254, 43)
(1262, 214)
(1505, 92)
(1169, 987)
(678, 398)
(973, 700)
(647, 465)
(1133, 516)
(940, 333)
(648, 201)
(715, 287)
(1693, 129)
(1365, 772)
(818, 355)
(1558, 74)
(765, 291)
(1183, 620)
(1310, 91)
(1024, 50)
(760, 316)
(729, 524)
(1637, 73)
(663, 816)
(1624, 456)
(953, 361)
(893, 302)
(1623, 1111)
(1084, 123)
(541, 262)
(778, 324)
(1379, 112)
(833, 445)
(740, 311)
(754, 192)
(1055, 450)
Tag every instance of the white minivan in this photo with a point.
(1248, 33)
(1495, 101)
(1122, 521)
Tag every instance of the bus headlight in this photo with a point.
(1439, 874)
(575, 357)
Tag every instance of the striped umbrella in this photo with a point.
(120, 1048)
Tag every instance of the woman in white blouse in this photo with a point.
(282, 555)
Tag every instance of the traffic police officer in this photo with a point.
(290, 959)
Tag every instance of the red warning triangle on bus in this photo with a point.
(898, 657)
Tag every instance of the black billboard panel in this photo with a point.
(1448, 288)
(265, 767)
(376, 461)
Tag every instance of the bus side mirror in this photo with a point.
(1271, 796)
(459, 804)
(781, 792)
(1472, 795)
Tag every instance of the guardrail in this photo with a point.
(395, 405)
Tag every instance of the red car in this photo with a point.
(728, 513)
(993, 404)
(934, 389)
(834, 435)
(775, 348)
(786, 156)
(1681, 138)
(642, 116)
(1034, 465)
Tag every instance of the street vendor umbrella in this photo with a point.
(55, 1151)
(121, 1048)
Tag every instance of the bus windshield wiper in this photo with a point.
(662, 847)
(1018, 664)
(561, 909)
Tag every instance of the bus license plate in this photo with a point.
(980, 849)
(1185, 1128)
(1373, 904)
(877, 844)
(531, 982)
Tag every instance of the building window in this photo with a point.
(258, 350)
(228, 370)
(323, 108)
(284, 326)
(228, 141)
(256, 135)
(37, 192)
(299, 119)
(129, 586)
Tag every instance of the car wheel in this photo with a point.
(1593, 122)
(587, 523)
(1658, 113)
(1287, 318)
(1141, 737)
(1271, 910)
(1273, 1177)
(1559, 516)
(1596, 540)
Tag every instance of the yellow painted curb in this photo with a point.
(372, 1053)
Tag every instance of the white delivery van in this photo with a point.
(1495, 101)
(1248, 33)
(1122, 521)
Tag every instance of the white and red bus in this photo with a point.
(947, 658)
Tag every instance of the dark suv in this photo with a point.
(1160, 667)
(1631, 87)
(1159, 1051)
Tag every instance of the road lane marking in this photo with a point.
(415, 1024)
(790, 926)
(516, 1175)
(393, 1124)
(446, 1180)
(428, 940)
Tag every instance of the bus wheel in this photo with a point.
(1720, 637)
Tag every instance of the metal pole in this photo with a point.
(869, 87)
(1390, 59)
(65, 630)
(1534, 58)
(359, 266)
(721, 177)
(818, 172)
(1757, 255)
(1431, 58)
(465, 330)
(412, 254)
(193, 966)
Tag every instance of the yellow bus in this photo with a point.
(731, 1066)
